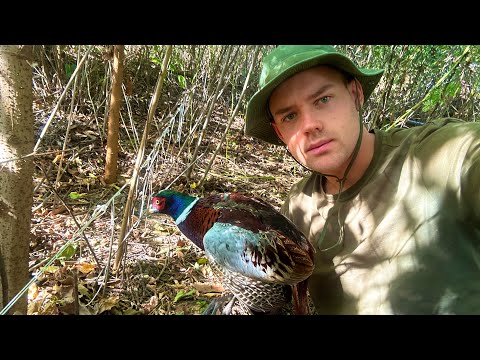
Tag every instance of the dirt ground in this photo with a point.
(162, 273)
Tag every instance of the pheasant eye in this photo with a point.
(157, 201)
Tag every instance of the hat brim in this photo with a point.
(257, 118)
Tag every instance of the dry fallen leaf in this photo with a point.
(50, 309)
(64, 292)
(32, 292)
(58, 210)
(181, 243)
(152, 304)
(206, 288)
(34, 307)
(85, 268)
(211, 294)
(83, 310)
(107, 304)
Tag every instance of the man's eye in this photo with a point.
(289, 117)
(324, 99)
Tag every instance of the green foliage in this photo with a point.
(432, 99)
(155, 55)
(452, 89)
(181, 81)
(201, 305)
(439, 95)
(183, 295)
(75, 195)
(69, 69)
(202, 261)
(67, 252)
(411, 76)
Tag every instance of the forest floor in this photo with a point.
(162, 273)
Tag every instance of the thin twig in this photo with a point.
(99, 211)
(35, 154)
(232, 117)
(112, 225)
(217, 94)
(74, 75)
(73, 217)
(69, 125)
(76, 307)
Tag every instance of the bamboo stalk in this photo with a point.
(232, 117)
(210, 110)
(69, 125)
(141, 150)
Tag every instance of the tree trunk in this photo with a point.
(16, 186)
(114, 116)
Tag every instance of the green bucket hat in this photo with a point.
(287, 60)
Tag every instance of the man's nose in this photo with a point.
(311, 122)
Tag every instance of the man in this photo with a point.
(394, 215)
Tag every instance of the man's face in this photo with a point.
(316, 116)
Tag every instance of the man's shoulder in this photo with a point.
(451, 126)
(304, 185)
(301, 200)
(445, 128)
(450, 132)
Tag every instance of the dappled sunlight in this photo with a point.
(416, 253)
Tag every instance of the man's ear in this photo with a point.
(277, 131)
(357, 92)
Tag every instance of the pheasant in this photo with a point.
(261, 256)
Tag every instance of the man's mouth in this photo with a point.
(319, 147)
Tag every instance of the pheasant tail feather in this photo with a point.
(300, 299)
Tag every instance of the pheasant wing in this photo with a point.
(250, 237)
